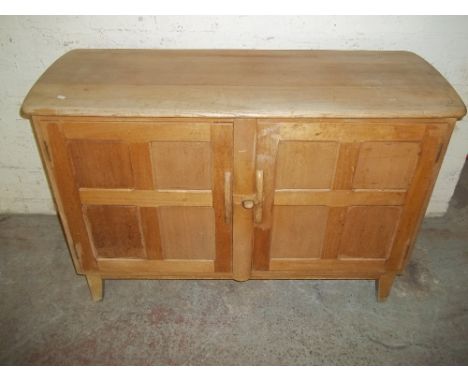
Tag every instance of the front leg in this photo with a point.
(95, 284)
(383, 285)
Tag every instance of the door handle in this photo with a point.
(258, 207)
(227, 197)
(256, 201)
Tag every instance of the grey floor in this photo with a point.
(47, 317)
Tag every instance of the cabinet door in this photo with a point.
(153, 198)
(342, 198)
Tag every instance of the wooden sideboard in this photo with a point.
(222, 164)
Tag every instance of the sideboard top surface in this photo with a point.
(243, 83)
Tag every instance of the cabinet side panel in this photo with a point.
(433, 149)
(66, 194)
(40, 134)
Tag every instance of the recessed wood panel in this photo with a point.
(187, 232)
(298, 231)
(369, 231)
(386, 165)
(305, 164)
(182, 165)
(103, 164)
(115, 231)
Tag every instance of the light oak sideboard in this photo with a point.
(237, 164)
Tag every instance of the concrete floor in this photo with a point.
(47, 316)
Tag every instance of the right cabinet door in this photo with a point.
(342, 198)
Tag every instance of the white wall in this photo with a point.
(28, 45)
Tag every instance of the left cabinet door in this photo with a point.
(145, 198)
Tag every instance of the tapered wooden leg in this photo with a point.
(383, 285)
(95, 284)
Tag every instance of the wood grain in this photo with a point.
(334, 232)
(187, 233)
(384, 285)
(154, 268)
(243, 83)
(101, 164)
(338, 198)
(433, 149)
(182, 165)
(151, 233)
(326, 267)
(68, 194)
(298, 231)
(267, 140)
(345, 185)
(145, 198)
(96, 286)
(306, 164)
(386, 165)
(346, 130)
(244, 184)
(141, 165)
(369, 232)
(143, 176)
(115, 231)
(346, 165)
(136, 130)
(40, 134)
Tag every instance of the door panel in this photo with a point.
(151, 191)
(298, 231)
(187, 232)
(369, 231)
(181, 165)
(386, 165)
(317, 164)
(115, 231)
(101, 164)
(333, 191)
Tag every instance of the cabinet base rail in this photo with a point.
(383, 281)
